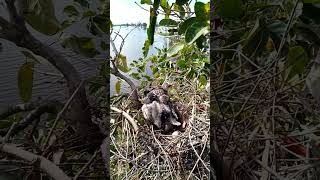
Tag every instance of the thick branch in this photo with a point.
(19, 108)
(47, 166)
(134, 95)
(17, 33)
(114, 70)
(51, 107)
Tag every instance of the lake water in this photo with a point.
(132, 49)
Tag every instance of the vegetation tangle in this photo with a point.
(138, 151)
(264, 78)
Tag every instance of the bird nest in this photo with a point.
(148, 153)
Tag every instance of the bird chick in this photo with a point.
(160, 115)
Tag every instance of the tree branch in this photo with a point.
(17, 33)
(19, 108)
(47, 166)
(51, 107)
(128, 117)
(114, 70)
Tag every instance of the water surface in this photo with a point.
(132, 48)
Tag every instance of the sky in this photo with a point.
(126, 11)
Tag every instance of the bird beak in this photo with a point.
(175, 122)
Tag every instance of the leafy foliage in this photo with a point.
(25, 81)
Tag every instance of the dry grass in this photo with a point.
(265, 126)
(149, 154)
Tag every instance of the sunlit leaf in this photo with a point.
(203, 80)
(146, 2)
(145, 48)
(153, 21)
(181, 63)
(121, 63)
(202, 10)
(25, 81)
(173, 50)
(118, 86)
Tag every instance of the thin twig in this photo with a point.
(128, 117)
(60, 114)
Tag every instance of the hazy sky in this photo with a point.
(126, 11)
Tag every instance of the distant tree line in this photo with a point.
(132, 24)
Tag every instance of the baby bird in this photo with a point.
(160, 115)
(158, 109)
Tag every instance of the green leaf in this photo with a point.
(230, 8)
(202, 10)
(183, 26)
(71, 11)
(118, 86)
(41, 16)
(135, 76)
(152, 26)
(153, 21)
(298, 60)
(88, 13)
(195, 31)
(146, 2)
(82, 45)
(104, 45)
(173, 50)
(201, 42)
(102, 22)
(31, 57)
(203, 80)
(168, 22)
(145, 48)
(25, 81)
(181, 2)
(181, 63)
(121, 63)
(182, 11)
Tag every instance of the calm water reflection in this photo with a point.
(132, 48)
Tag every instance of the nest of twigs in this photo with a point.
(149, 154)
